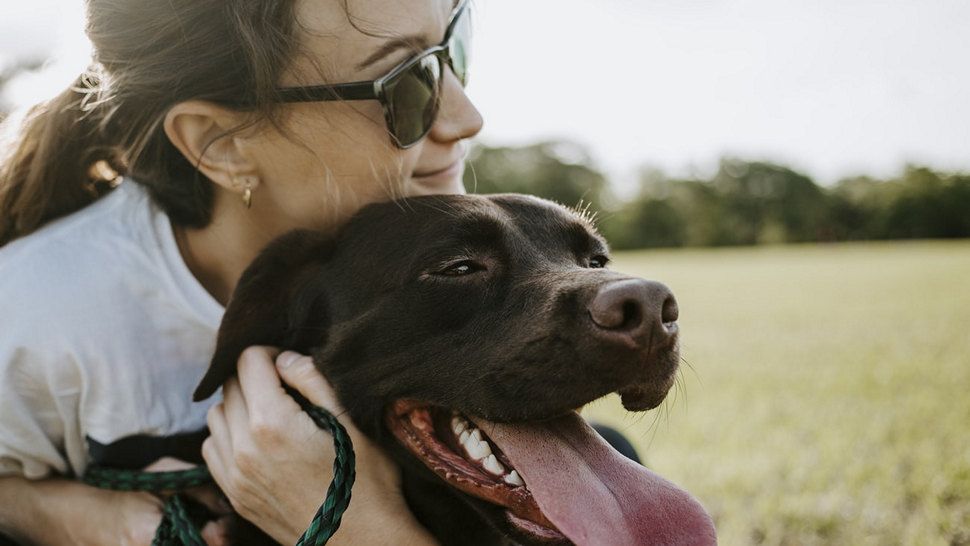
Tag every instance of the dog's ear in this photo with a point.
(280, 300)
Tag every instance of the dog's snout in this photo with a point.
(635, 311)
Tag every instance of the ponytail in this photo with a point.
(59, 161)
(149, 56)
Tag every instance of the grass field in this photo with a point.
(828, 395)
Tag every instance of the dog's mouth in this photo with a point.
(461, 454)
(557, 480)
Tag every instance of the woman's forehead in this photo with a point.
(349, 40)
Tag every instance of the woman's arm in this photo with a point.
(275, 465)
(58, 511)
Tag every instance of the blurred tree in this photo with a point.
(858, 207)
(657, 216)
(767, 203)
(744, 203)
(645, 222)
(929, 205)
(921, 203)
(558, 170)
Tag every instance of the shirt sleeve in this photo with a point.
(34, 413)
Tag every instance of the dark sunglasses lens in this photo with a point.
(459, 46)
(413, 100)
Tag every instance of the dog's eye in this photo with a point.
(464, 267)
(598, 262)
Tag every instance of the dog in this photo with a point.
(461, 333)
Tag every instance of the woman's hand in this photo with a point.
(128, 518)
(275, 464)
(59, 511)
(214, 532)
(132, 518)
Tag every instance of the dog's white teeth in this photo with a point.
(493, 466)
(458, 425)
(513, 478)
(463, 436)
(478, 451)
(476, 447)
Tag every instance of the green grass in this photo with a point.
(828, 395)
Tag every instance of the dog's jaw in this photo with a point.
(461, 456)
(604, 497)
(650, 391)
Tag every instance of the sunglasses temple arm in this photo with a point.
(343, 91)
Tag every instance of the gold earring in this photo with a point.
(248, 194)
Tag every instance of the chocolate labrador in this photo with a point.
(461, 333)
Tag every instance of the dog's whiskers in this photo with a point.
(582, 209)
(692, 369)
(681, 386)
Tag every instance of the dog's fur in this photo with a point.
(388, 312)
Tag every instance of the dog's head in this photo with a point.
(436, 317)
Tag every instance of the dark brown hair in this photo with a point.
(149, 56)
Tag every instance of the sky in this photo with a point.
(833, 88)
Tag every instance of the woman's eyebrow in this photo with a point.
(412, 42)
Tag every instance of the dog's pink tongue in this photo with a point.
(595, 495)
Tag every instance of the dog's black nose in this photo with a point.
(633, 308)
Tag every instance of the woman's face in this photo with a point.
(338, 156)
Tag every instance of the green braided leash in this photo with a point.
(327, 519)
(177, 527)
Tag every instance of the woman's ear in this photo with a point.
(204, 132)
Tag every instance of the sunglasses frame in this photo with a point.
(376, 89)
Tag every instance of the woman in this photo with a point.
(112, 295)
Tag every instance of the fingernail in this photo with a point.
(286, 359)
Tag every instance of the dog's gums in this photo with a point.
(459, 453)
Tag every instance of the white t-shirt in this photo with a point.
(104, 334)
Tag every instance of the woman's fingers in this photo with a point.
(268, 456)
(220, 436)
(259, 382)
(259, 386)
(206, 495)
(216, 532)
(217, 448)
(137, 513)
(298, 371)
(210, 497)
(168, 464)
(236, 414)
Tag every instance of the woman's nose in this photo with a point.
(457, 118)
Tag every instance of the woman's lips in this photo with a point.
(447, 172)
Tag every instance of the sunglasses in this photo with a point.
(411, 92)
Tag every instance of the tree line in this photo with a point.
(743, 203)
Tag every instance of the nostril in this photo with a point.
(617, 307)
(669, 313)
(635, 313)
(621, 315)
(632, 315)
